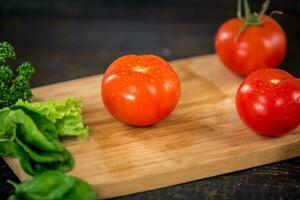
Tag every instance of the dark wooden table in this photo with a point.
(70, 40)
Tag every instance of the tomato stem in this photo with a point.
(276, 12)
(239, 10)
(247, 9)
(250, 19)
(264, 8)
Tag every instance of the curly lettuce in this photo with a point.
(65, 114)
(30, 132)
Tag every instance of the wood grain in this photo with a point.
(203, 137)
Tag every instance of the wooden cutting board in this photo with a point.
(203, 137)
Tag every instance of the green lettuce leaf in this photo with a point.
(53, 185)
(65, 114)
(32, 138)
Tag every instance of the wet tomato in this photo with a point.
(140, 90)
(268, 102)
(245, 44)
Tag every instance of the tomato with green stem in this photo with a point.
(255, 41)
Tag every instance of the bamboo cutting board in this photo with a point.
(203, 137)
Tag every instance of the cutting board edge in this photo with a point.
(222, 166)
(188, 177)
(293, 150)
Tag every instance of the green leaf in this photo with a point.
(53, 185)
(13, 197)
(32, 138)
(11, 148)
(7, 128)
(40, 156)
(65, 165)
(31, 134)
(47, 186)
(81, 191)
(65, 114)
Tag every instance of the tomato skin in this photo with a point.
(256, 47)
(140, 90)
(268, 102)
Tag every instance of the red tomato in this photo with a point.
(268, 102)
(140, 90)
(260, 45)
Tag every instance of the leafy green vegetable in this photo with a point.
(65, 114)
(53, 185)
(81, 191)
(29, 132)
(13, 88)
(33, 139)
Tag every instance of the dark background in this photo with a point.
(71, 39)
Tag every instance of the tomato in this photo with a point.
(250, 43)
(268, 102)
(140, 90)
